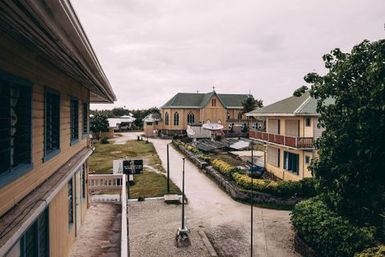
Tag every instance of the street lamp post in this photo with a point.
(183, 227)
(251, 199)
(182, 237)
(168, 169)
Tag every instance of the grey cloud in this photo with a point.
(151, 49)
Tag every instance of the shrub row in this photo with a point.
(378, 251)
(328, 233)
(223, 167)
(302, 188)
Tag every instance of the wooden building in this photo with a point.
(198, 108)
(49, 74)
(289, 130)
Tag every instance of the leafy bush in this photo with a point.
(378, 251)
(223, 167)
(301, 188)
(328, 233)
(308, 186)
(104, 140)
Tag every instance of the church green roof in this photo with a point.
(200, 100)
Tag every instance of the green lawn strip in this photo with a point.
(151, 184)
(101, 160)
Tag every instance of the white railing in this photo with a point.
(124, 223)
(105, 181)
(100, 182)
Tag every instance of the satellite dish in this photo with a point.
(212, 126)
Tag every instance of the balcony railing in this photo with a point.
(108, 182)
(102, 182)
(296, 142)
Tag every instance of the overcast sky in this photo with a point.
(152, 49)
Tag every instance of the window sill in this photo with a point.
(74, 141)
(70, 226)
(14, 173)
(51, 154)
(291, 172)
(85, 135)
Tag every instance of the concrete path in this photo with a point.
(225, 221)
(100, 233)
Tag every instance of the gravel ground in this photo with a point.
(152, 229)
(225, 221)
(100, 234)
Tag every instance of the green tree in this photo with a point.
(250, 104)
(98, 123)
(299, 91)
(119, 111)
(351, 164)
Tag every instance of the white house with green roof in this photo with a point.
(288, 132)
(185, 109)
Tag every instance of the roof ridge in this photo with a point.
(300, 107)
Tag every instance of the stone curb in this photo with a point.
(207, 243)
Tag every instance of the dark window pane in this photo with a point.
(52, 122)
(5, 127)
(15, 123)
(43, 238)
(85, 118)
(74, 119)
(70, 203)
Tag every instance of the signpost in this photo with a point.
(132, 166)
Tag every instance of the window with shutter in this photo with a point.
(85, 119)
(74, 116)
(291, 162)
(51, 124)
(35, 241)
(70, 204)
(15, 127)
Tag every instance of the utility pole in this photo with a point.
(182, 237)
(168, 169)
(251, 196)
(183, 227)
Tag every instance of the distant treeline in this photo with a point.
(118, 112)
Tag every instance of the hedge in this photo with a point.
(378, 251)
(328, 233)
(302, 188)
(223, 167)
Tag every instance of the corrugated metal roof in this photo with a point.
(293, 105)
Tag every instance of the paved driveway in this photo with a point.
(225, 221)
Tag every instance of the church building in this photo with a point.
(185, 109)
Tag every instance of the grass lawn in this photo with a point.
(151, 184)
(101, 160)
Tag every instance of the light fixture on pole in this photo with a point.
(168, 169)
(182, 238)
(251, 199)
